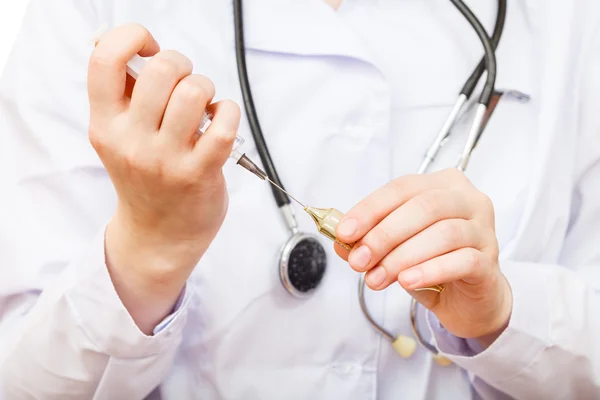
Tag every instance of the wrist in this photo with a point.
(148, 272)
(499, 324)
(150, 252)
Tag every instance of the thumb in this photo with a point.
(215, 144)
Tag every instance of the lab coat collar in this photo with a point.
(313, 28)
(308, 28)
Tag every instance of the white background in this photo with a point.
(11, 16)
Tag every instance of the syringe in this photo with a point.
(134, 67)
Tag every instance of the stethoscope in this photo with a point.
(303, 260)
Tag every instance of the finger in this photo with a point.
(466, 264)
(107, 68)
(415, 215)
(341, 251)
(441, 238)
(154, 86)
(185, 109)
(214, 146)
(372, 209)
(375, 207)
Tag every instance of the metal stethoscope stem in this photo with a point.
(365, 310)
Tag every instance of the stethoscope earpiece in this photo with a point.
(405, 346)
(441, 360)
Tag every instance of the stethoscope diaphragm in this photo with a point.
(302, 264)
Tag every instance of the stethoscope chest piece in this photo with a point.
(302, 264)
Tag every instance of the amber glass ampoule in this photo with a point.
(327, 220)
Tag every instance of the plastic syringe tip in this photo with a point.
(249, 165)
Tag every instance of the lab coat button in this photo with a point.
(346, 370)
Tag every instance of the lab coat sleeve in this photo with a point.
(551, 348)
(64, 333)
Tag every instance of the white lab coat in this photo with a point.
(348, 101)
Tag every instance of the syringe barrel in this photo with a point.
(134, 67)
(235, 154)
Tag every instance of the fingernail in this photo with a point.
(347, 227)
(411, 276)
(376, 277)
(360, 257)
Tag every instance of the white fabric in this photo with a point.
(370, 84)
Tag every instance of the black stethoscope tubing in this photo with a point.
(263, 151)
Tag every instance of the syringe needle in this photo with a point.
(280, 188)
(245, 162)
